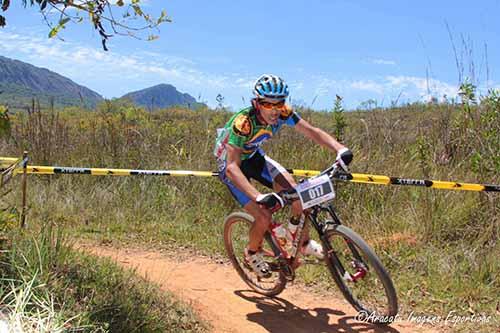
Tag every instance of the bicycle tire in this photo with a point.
(376, 277)
(236, 227)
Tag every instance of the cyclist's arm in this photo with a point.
(234, 173)
(318, 135)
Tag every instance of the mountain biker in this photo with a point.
(241, 158)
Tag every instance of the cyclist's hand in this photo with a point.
(344, 158)
(272, 201)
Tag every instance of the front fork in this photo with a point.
(322, 228)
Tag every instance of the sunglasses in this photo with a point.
(272, 106)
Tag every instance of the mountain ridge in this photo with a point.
(161, 96)
(22, 81)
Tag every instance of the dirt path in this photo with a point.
(218, 295)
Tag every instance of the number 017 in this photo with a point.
(315, 192)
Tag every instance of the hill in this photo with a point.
(162, 96)
(20, 82)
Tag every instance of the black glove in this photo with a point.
(344, 158)
(272, 201)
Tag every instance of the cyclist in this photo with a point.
(241, 158)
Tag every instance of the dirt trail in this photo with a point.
(218, 295)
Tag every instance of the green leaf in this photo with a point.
(163, 17)
(153, 37)
(64, 21)
(120, 3)
(54, 31)
(58, 27)
(137, 10)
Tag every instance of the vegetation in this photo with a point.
(4, 121)
(441, 247)
(102, 16)
(338, 116)
(47, 287)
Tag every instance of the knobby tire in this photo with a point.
(376, 271)
(236, 227)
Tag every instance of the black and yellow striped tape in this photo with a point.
(385, 180)
(46, 170)
(354, 177)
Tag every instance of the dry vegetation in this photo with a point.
(441, 247)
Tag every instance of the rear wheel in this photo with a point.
(364, 283)
(236, 236)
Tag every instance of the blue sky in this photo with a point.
(358, 49)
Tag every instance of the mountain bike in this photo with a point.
(353, 265)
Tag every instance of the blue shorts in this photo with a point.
(259, 167)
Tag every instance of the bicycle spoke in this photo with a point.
(365, 283)
(237, 237)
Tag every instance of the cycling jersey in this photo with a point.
(245, 131)
(259, 167)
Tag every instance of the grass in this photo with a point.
(48, 287)
(441, 247)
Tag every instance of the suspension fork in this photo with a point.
(330, 253)
(333, 214)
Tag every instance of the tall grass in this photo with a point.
(441, 247)
(47, 287)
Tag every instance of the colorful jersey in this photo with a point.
(243, 130)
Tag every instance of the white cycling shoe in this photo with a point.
(313, 248)
(257, 264)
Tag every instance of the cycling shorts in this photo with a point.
(259, 167)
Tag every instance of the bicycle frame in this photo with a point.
(288, 265)
(349, 265)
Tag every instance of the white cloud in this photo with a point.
(88, 65)
(296, 85)
(368, 85)
(244, 82)
(422, 86)
(113, 74)
(387, 88)
(383, 62)
(322, 85)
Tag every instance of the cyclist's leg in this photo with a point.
(282, 180)
(261, 216)
(262, 220)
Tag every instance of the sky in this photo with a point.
(387, 51)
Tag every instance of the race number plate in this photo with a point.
(315, 191)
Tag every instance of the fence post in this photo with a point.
(24, 185)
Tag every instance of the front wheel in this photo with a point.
(360, 275)
(236, 237)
